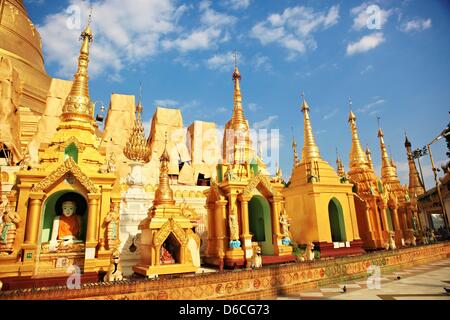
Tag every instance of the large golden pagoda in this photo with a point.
(396, 201)
(319, 203)
(244, 206)
(368, 191)
(22, 75)
(72, 172)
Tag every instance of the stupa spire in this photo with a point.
(387, 169)
(136, 148)
(369, 157)
(77, 106)
(415, 183)
(294, 148)
(340, 165)
(357, 156)
(310, 148)
(238, 121)
(164, 194)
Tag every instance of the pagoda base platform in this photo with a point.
(17, 283)
(267, 260)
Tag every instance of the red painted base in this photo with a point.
(15, 283)
(234, 263)
(327, 249)
(277, 259)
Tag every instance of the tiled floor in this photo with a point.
(425, 282)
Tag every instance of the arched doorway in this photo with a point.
(51, 209)
(261, 223)
(337, 224)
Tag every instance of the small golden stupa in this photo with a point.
(168, 242)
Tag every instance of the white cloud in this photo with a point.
(223, 62)
(293, 29)
(366, 43)
(331, 114)
(211, 31)
(222, 110)
(167, 103)
(372, 105)
(253, 107)
(238, 4)
(264, 124)
(367, 69)
(364, 17)
(416, 25)
(123, 34)
(261, 63)
(428, 175)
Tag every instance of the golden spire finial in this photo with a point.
(294, 148)
(164, 194)
(340, 165)
(388, 171)
(238, 121)
(77, 106)
(415, 183)
(136, 148)
(369, 157)
(352, 116)
(358, 158)
(310, 149)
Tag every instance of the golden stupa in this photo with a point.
(245, 205)
(23, 75)
(319, 202)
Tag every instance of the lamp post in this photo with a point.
(443, 134)
(100, 117)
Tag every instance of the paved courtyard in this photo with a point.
(424, 282)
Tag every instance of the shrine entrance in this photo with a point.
(336, 221)
(261, 223)
(170, 251)
(52, 208)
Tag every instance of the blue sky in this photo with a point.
(182, 53)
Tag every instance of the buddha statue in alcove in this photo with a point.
(66, 226)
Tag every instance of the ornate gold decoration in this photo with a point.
(80, 146)
(369, 157)
(294, 148)
(68, 166)
(388, 171)
(415, 185)
(166, 229)
(253, 184)
(78, 103)
(136, 148)
(310, 148)
(357, 156)
(164, 194)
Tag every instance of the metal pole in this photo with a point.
(437, 187)
(421, 174)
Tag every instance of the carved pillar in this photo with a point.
(34, 212)
(220, 227)
(244, 218)
(93, 204)
(182, 253)
(157, 255)
(409, 223)
(395, 220)
(275, 202)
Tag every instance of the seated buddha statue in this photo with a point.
(165, 256)
(66, 227)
